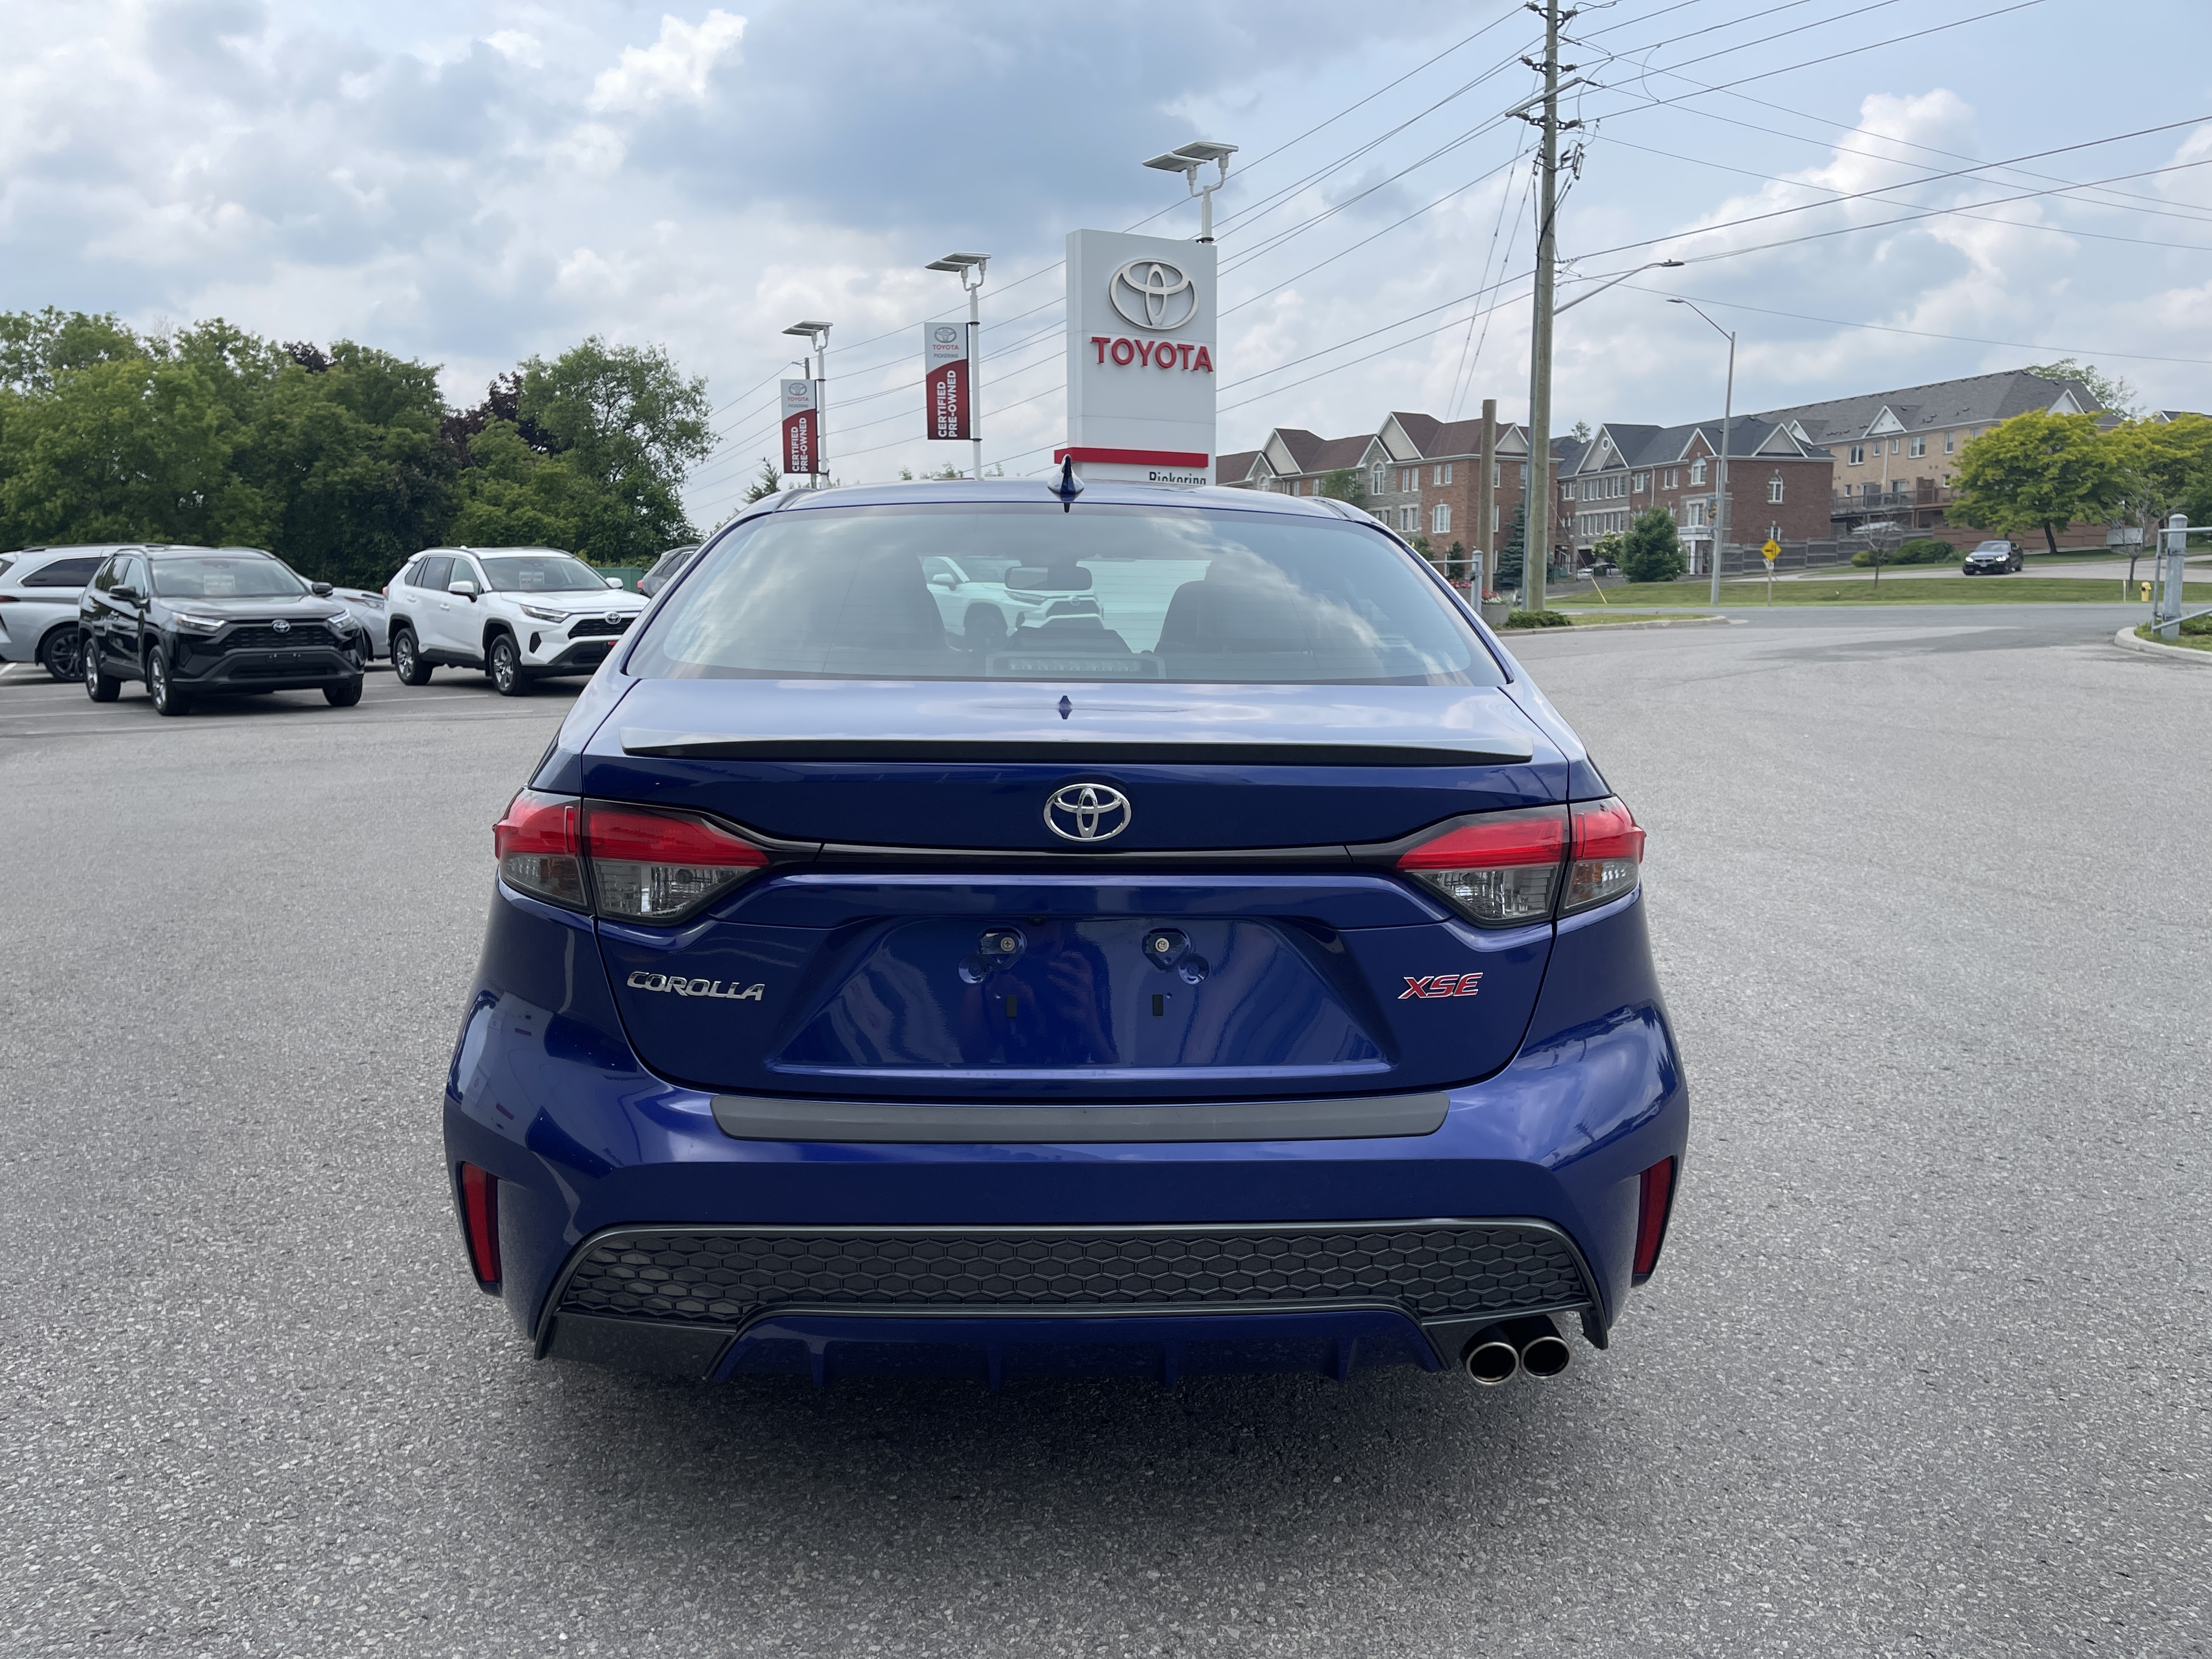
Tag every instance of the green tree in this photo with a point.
(511, 495)
(1651, 551)
(2161, 462)
(1347, 483)
(771, 482)
(2036, 472)
(2109, 390)
(1513, 555)
(1608, 548)
(37, 346)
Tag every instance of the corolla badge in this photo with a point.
(677, 985)
(1087, 812)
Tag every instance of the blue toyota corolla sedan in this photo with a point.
(1007, 929)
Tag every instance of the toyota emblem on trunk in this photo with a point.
(1087, 812)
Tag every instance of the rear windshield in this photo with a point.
(1102, 593)
(224, 576)
(537, 573)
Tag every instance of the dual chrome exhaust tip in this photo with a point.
(1496, 1352)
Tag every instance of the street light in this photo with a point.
(817, 335)
(960, 265)
(1187, 158)
(1728, 413)
(1656, 265)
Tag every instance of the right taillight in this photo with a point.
(1608, 853)
(1654, 1198)
(1501, 869)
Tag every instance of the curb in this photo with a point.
(1623, 628)
(2126, 640)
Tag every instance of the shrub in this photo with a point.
(1925, 550)
(1540, 619)
(1651, 552)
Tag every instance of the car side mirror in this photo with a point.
(320, 590)
(614, 582)
(944, 578)
(124, 591)
(464, 587)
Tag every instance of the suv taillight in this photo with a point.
(645, 866)
(1608, 853)
(661, 866)
(536, 846)
(1501, 869)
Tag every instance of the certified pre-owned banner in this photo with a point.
(802, 436)
(944, 381)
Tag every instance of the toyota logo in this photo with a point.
(1153, 293)
(614, 618)
(945, 334)
(281, 626)
(1087, 812)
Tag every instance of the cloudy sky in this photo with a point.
(1874, 192)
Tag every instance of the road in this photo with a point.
(1925, 1370)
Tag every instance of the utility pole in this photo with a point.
(1542, 494)
(1485, 505)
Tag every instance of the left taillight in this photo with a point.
(662, 867)
(538, 848)
(480, 1223)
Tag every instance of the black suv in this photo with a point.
(191, 620)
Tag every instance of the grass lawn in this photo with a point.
(2187, 642)
(1597, 616)
(1926, 589)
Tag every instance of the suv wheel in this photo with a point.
(58, 653)
(407, 665)
(101, 687)
(503, 662)
(167, 700)
(343, 695)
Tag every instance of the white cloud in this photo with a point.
(674, 67)
(517, 47)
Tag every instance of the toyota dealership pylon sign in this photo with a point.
(802, 434)
(1141, 351)
(945, 382)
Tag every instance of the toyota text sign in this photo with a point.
(802, 429)
(1141, 349)
(944, 381)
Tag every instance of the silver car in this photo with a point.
(39, 592)
(366, 609)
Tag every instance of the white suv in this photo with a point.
(520, 614)
(39, 590)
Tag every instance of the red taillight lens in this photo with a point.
(1655, 1197)
(480, 1222)
(661, 866)
(536, 846)
(1501, 869)
(1608, 854)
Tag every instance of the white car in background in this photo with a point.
(39, 590)
(520, 614)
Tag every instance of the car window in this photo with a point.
(63, 572)
(135, 576)
(433, 572)
(540, 573)
(225, 576)
(1103, 593)
(109, 574)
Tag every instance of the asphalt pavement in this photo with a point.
(1925, 1370)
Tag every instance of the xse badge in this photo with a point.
(1441, 985)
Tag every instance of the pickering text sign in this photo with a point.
(946, 386)
(802, 432)
(1140, 358)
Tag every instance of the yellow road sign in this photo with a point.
(1772, 551)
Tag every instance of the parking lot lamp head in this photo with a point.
(1187, 158)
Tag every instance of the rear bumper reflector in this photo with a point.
(750, 1118)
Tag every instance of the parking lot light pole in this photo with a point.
(1728, 417)
(1187, 158)
(961, 265)
(817, 335)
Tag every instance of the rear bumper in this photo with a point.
(635, 1230)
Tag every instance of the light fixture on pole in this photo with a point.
(818, 371)
(1187, 159)
(1656, 265)
(962, 265)
(1728, 417)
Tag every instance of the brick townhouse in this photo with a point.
(1421, 475)
(1778, 485)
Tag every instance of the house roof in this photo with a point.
(1235, 467)
(1976, 400)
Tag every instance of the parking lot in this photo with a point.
(1925, 1370)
